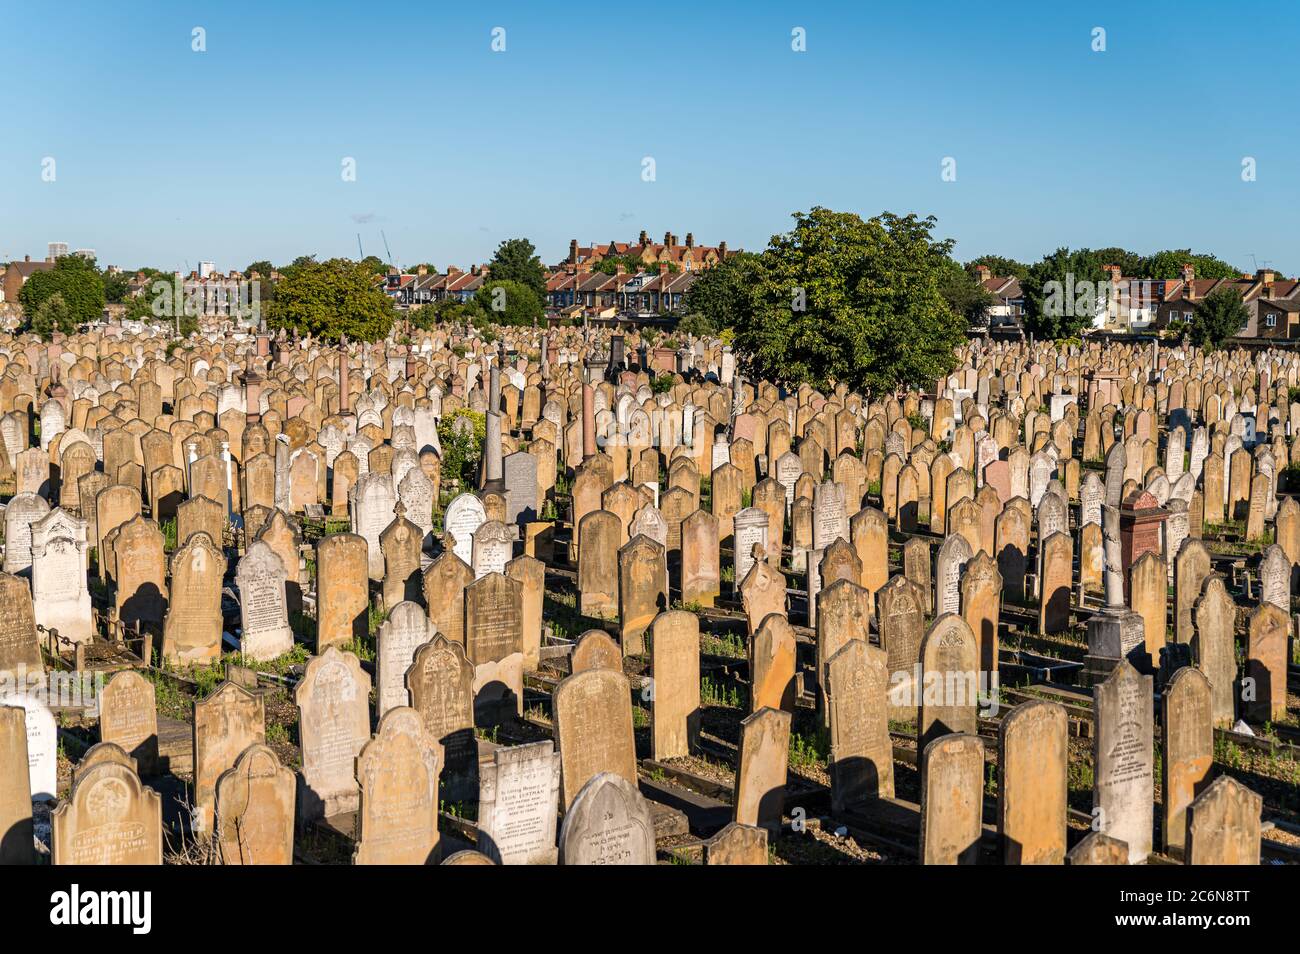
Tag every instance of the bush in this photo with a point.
(462, 447)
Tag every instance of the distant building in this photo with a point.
(206, 269)
(17, 273)
(682, 256)
(56, 250)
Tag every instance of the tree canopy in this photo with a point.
(999, 266)
(1061, 292)
(1169, 264)
(53, 314)
(843, 299)
(1218, 316)
(75, 280)
(720, 295)
(506, 302)
(516, 260)
(330, 299)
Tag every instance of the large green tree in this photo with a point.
(999, 266)
(330, 299)
(1061, 292)
(1218, 316)
(964, 294)
(73, 278)
(720, 295)
(505, 302)
(53, 315)
(516, 260)
(1169, 264)
(843, 299)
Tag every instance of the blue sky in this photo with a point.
(165, 156)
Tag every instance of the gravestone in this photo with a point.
(1033, 783)
(109, 818)
(263, 605)
(225, 724)
(333, 702)
(593, 727)
(607, 823)
(1123, 759)
(518, 803)
(952, 799)
(397, 776)
(862, 762)
(255, 810)
(761, 768)
(128, 717)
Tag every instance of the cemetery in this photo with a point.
(573, 596)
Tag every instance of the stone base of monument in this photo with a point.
(1113, 633)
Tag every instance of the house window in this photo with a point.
(1271, 321)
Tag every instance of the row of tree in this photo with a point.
(881, 303)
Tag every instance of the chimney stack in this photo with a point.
(668, 238)
(722, 250)
(983, 273)
(1266, 275)
(644, 239)
(690, 240)
(573, 251)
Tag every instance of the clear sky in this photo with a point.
(165, 156)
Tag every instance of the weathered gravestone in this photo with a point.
(1223, 825)
(737, 845)
(109, 818)
(593, 727)
(128, 717)
(255, 810)
(952, 799)
(263, 606)
(406, 629)
(1188, 729)
(333, 701)
(862, 753)
(397, 773)
(441, 683)
(225, 724)
(1033, 783)
(763, 757)
(607, 823)
(1123, 759)
(675, 667)
(16, 830)
(519, 794)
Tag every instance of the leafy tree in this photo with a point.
(262, 268)
(840, 299)
(516, 260)
(429, 267)
(1169, 264)
(461, 435)
(964, 294)
(720, 294)
(330, 299)
(446, 311)
(1218, 316)
(53, 315)
(73, 278)
(999, 266)
(1061, 292)
(116, 286)
(1130, 263)
(374, 265)
(508, 303)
